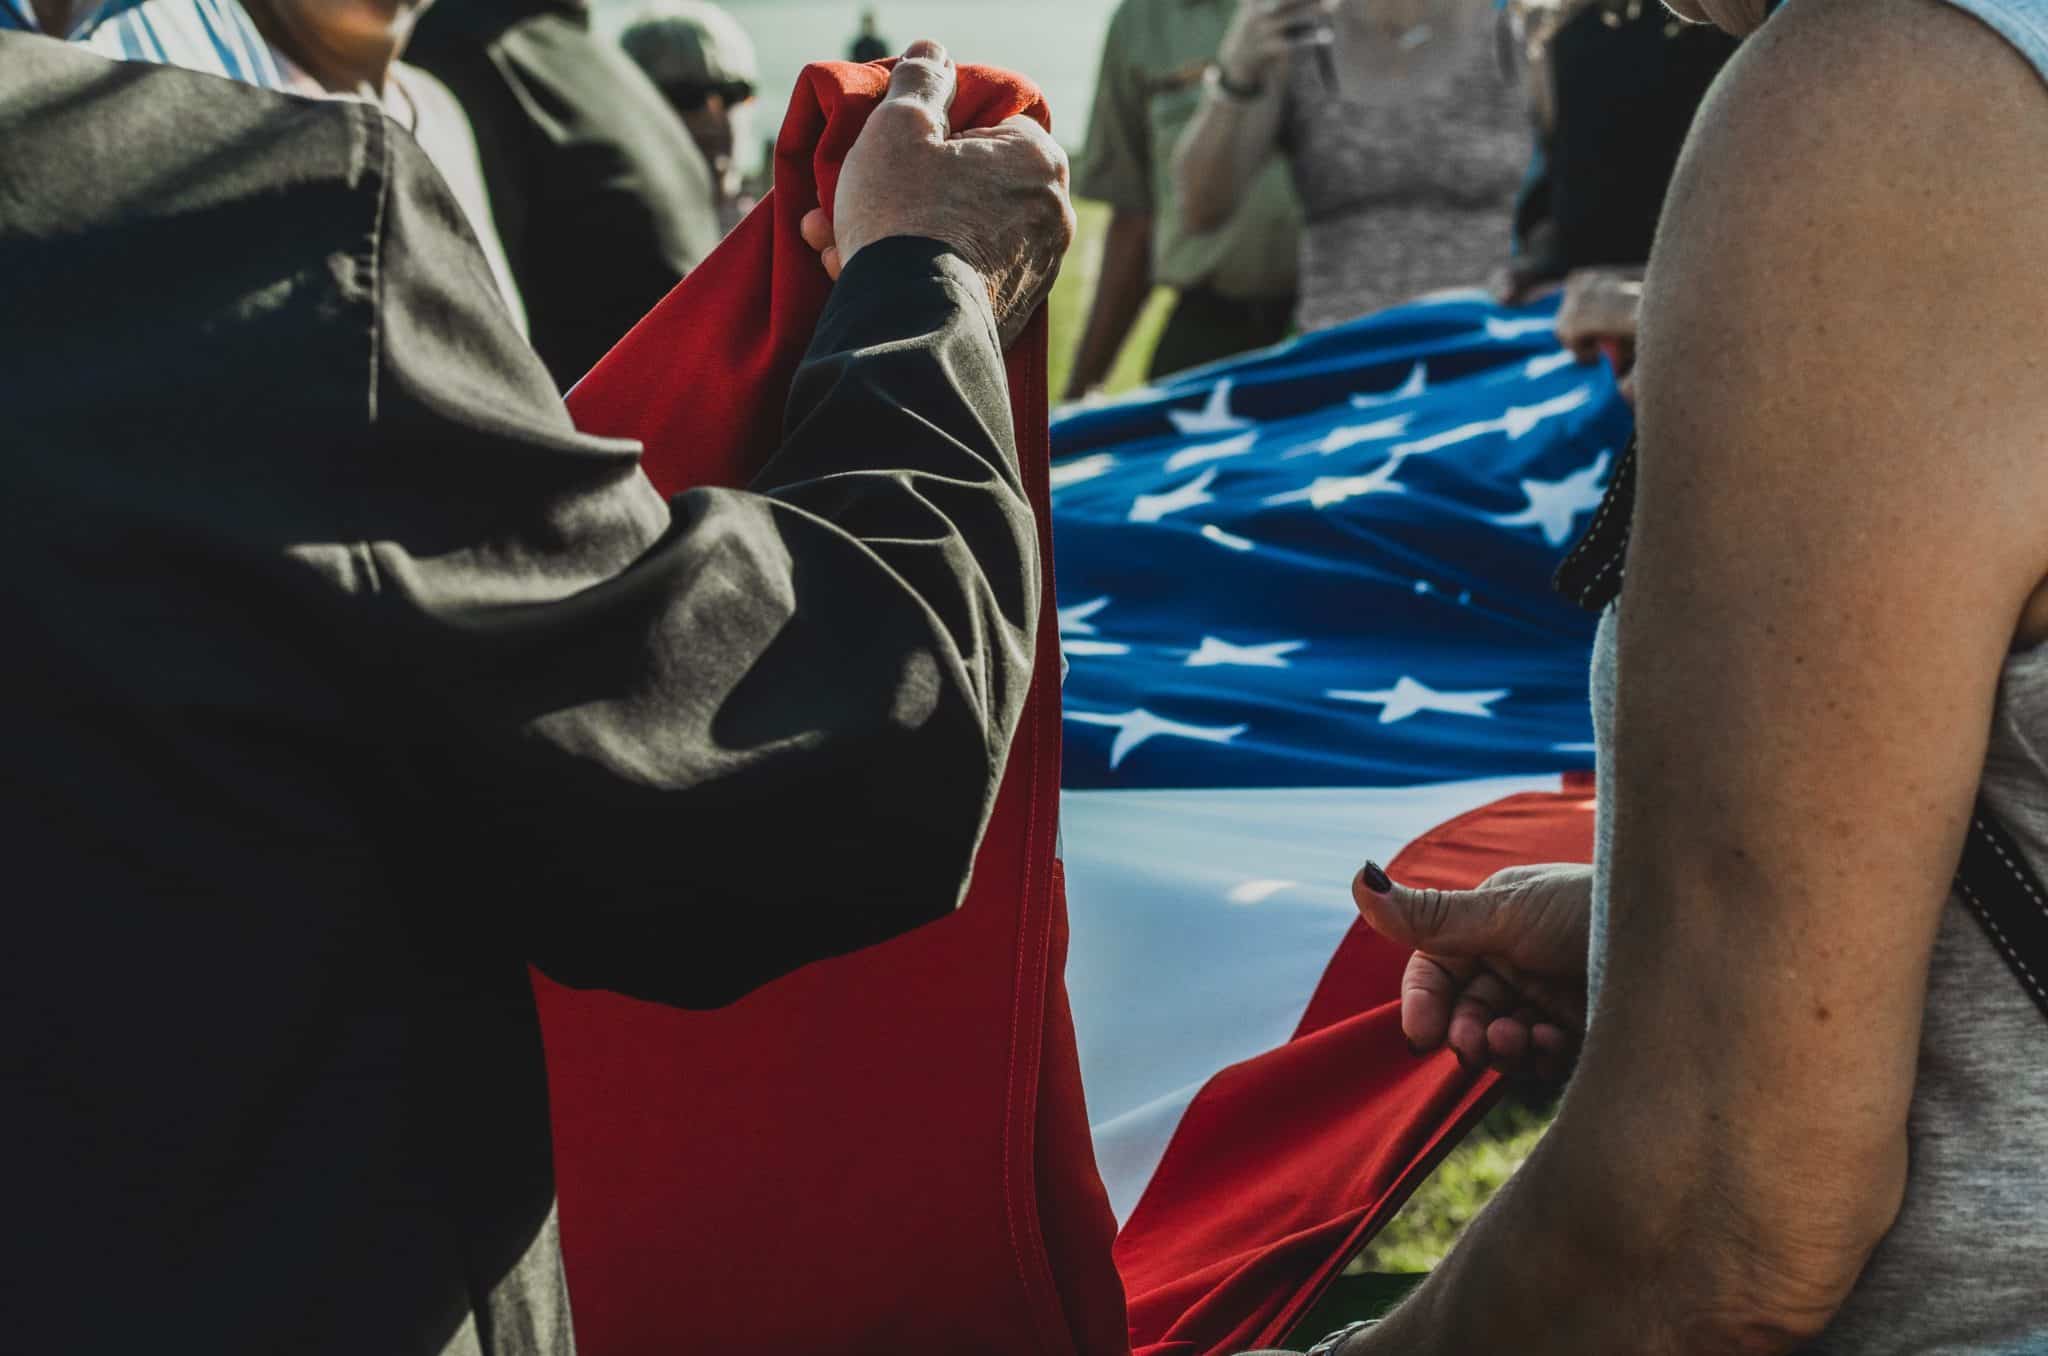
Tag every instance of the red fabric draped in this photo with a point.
(887, 1152)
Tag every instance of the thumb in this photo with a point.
(925, 79)
(1441, 922)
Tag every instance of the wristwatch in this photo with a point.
(1214, 79)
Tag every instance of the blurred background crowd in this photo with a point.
(1246, 168)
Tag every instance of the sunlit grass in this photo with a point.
(1068, 310)
(1421, 1236)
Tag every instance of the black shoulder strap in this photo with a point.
(1994, 878)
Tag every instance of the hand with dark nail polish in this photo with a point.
(1499, 974)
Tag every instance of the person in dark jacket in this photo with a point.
(602, 199)
(350, 680)
(703, 63)
(868, 44)
(1616, 86)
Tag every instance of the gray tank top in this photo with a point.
(1407, 166)
(1965, 1268)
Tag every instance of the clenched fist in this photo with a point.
(996, 196)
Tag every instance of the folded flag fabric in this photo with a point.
(1306, 602)
(1304, 597)
(883, 1153)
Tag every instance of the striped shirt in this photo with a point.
(215, 37)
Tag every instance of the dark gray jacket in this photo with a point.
(345, 679)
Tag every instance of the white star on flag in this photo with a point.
(1521, 420)
(1080, 469)
(1136, 727)
(1350, 436)
(1083, 649)
(1408, 698)
(1496, 328)
(1150, 508)
(1324, 491)
(1517, 422)
(1543, 364)
(1415, 385)
(1215, 417)
(1195, 456)
(1230, 539)
(1555, 505)
(1074, 620)
(1272, 656)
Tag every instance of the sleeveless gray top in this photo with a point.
(1407, 169)
(1964, 1271)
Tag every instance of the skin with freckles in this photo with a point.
(1839, 386)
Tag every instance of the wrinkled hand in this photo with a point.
(1599, 315)
(1499, 972)
(996, 196)
(1263, 32)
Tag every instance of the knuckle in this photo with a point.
(908, 118)
(920, 72)
(1428, 911)
(1057, 158)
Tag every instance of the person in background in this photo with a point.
(1406, 141)
(362, 681)
(868, 44)
(1619, 82)
(703, 63)
(1235, 279)
(305, 47)
(602, 199)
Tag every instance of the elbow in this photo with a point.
(1733, 1239)
(1798, 1272)
(1201, 215)
(1779, 1263)
(1201, 211)
(1197, 193)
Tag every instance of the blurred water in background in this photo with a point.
(1058, 43)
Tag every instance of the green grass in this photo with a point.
(1071, 296)
(1423, 1233)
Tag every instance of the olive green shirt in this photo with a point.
(1150, 86)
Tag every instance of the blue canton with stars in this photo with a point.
(1328, 564)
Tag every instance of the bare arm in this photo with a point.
(1222, 151)
(1120, 293)
(1231, 139)
(1839, 528)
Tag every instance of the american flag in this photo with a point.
(1305, 600)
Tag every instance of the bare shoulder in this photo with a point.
(1900, 118)
(1852, 239)
(1845, 306)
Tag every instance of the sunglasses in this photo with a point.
(690, 98)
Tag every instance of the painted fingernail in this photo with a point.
(1376, 879)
